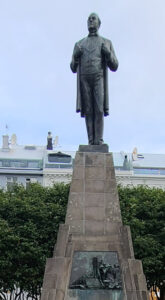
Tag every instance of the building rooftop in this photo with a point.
(14, 152)
(143, 160)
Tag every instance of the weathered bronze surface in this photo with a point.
(95, 270)
(95, 295)
(91, 57)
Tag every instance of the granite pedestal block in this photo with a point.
(93, 228)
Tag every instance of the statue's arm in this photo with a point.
(110, 56)
(113, 62)
(77, 52)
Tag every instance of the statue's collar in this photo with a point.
(93, 34)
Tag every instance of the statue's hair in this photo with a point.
(93, 13)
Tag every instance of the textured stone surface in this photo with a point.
(132, 295)
(94, 148)
(45, 293)
(77, 186)
(94, 227)
(93, 223)
(93, 185)
(94, 159)
(62, 240)
(76, 226)
(60, 295)
(79, 159)
(75, 199)
(95, 213)
(74, 212)
(78, 173)
(94, 173)
(50, 281)
(52, 294)
(94, 200)
(57, 268)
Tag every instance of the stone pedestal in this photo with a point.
(93, 257)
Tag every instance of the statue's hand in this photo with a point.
(105, 50)
(77, 52)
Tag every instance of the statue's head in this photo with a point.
(93, 22)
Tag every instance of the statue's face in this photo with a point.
(93, 22)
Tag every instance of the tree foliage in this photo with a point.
(143, 209)
(29, 221)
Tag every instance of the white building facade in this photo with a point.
(30, 163)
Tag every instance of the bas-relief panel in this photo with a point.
(95, 275)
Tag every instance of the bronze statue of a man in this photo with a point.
(91, 57)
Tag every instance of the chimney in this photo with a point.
(13, 140)
(49, 141)
(5, 142)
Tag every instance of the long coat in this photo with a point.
(112, 63)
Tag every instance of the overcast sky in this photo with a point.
(38, 89)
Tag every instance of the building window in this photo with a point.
(59, 158)
(33, 164)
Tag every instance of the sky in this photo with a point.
(38, 89)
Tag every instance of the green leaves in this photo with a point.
(143, 209)
(29, 221)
